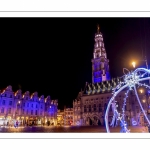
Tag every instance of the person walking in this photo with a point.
(17, 123)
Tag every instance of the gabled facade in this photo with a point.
(27, 108)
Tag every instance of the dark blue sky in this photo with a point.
(53, 55)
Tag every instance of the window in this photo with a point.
(125, 108)
(10, 96)
(32, 105)
(5, 95)
(26, 98)
(31, 112)
(18, 96)
(41, 107)
(23, 111)
(36, 112)
(28, 105)
(18, 107)
(94, 107)
(10, 103)
(118, 106)
(36, 105)
(89, 108)
(3, 102)
(27, 112)
(24, 104)
(9, 110)
(105, 107)
(41, 113)
(84, 108)
(2, 110)
(137, 109)
(100, 108)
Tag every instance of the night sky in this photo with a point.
(53, 55)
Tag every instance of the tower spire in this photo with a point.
(100, 63)
(98, 28)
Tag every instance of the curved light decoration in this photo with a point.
(130, 81)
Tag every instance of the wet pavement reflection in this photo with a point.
(68, 129)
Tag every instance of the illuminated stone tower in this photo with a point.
(100, 63)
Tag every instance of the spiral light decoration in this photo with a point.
(131, 80)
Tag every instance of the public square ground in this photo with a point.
(68, 129)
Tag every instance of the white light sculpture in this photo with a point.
(131, 80)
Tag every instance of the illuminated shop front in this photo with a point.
(26, 109)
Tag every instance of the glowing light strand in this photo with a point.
(124, 104)
(114, 107)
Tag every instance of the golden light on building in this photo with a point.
(144, 100)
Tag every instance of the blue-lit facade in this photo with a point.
(27, 109)
(100, 63)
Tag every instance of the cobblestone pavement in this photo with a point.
(68, 129)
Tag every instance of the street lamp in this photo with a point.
(141, 91)
(133, 64)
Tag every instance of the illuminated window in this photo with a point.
(2, 110)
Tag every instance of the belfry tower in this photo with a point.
(100, 63)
